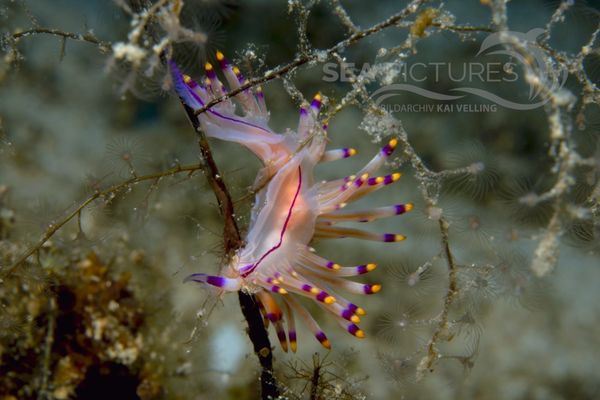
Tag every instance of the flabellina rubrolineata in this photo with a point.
(291, 209)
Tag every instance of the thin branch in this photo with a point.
(345, 19)
(315, 382)
(314, 56)
(111, 190)
(556, 18)
(86, 37)
(464, 28)
(145, 17)
(442, 322)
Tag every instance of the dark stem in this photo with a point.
(232, 240)
(262, 346)
(452, 292)
(314, 383)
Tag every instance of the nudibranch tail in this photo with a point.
(228, 284)
(291, 208)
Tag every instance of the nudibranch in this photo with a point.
(291, 208)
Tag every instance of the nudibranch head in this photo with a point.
(291, 208)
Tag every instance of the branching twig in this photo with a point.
(432, 354)
(314, 56)
(103, 193)
(464, 28)
(86, 37)
(343, 16)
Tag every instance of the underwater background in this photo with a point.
(105, 205)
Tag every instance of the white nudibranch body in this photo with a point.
(291, 208)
